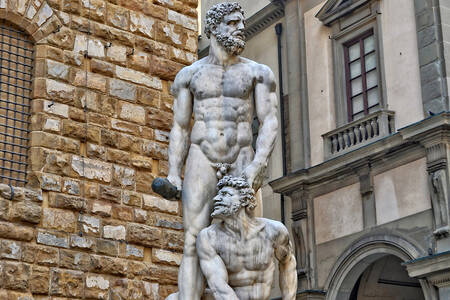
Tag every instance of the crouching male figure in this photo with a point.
(237, 254)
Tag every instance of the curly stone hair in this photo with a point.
(216, 13)
(247, 194)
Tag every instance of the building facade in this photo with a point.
(85, 111)
(362, 160)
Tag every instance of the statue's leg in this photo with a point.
(199, 188)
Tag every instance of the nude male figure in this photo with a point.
(237, 254)
(222, 90)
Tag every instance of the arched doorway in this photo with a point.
(354, 271)
(386, 279)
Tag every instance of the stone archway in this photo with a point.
(361, 255)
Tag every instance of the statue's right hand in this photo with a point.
(176, 181)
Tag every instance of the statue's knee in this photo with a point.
(189, 244)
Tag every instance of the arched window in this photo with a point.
(16, 64)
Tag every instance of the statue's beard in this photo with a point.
(225, 211)
(234, 45)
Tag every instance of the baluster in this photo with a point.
(341, 141)
(357, 134)
(374, 124)
(351, 135)
(334, 144)
(346, 140)
(369, 130)
(391, 124)
(363, 130)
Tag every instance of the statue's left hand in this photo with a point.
(254, 174)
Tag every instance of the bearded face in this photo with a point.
(230, 33)
(227, 203)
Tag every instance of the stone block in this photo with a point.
(143, 182)
(16, 276)
(63, 220)
(160, 119)
(166, 257)
(164, 68)
(64, 38)
(90, 225)
(97, 286)
(38, 254)
(142, 24)
(114, 232)
(155, 150)
(132, 251)
(110, 193)
(138, 78)
(95, 49)
(173, 240)
(92, 169)
(94, 9)
(123, 177)
(119, 289)
(133, 113)
(50, 182)
(118, 17)
(4, 209)
(102, 67)
(165, 221)
(66, 283)
(109, 265)
(107, 247)
(164, 274)
(151, 46)
(141, 162)
(160, 204)
(428, 54)
(117, 53)
(39, 280)
(52, 125)
(140, 215)
(60, 91)
(66, 202)
(82, 242)
(132, 198)
(75, 260)
(122, 90)
(16, 232)
(155, 11)
(182, 20)
(144, 235)
(27, 211)
(10, 249)
(52, 239)
(123, 213)
(101, 208)
(57, 70)
(57, 109)
(71, 186)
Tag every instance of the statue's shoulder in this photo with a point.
(184, 76)
(275, 229)
(262, 72)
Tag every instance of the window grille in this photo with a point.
(16, 63)
(361, 76)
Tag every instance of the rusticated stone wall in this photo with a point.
(87, 225)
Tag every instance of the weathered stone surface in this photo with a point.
(58, 109)
(10, 249)
(57, 70)
(166, 257)
(144, 235)
(107, 247)
(110, 193)
(142, 24)
(66, 283)
(122, 90)
(75, 260)
(97, 287)
(82, 242)
(67, 202)
(52, 239)
(132, 251)
(117, 53)
(123, 177)
(132, 198)
(159, 204)
(92, 169)
(38, 254)
(109, 265)
(60, 91)
(114, 232)
(138, 78)
(16, 276)
(164, 274)
(15, 232)
(59, 219)
(118, 17)
(183, 20)
(39, 280)
(90, 225)
(160, 119)
(27, 211)
(101, 208)
(133, 113)
(164, 68)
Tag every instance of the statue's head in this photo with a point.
(225, 21)
(234, 194)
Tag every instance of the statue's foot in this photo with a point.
(173, 296)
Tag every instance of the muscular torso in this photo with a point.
(223, 109)
(250, 263)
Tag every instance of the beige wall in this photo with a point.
(401, 192)
(338, 213)
(401, 62)
(320, 82)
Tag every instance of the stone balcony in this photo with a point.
(358, 133)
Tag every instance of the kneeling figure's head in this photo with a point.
(234, 193)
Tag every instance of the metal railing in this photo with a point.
(358, 133)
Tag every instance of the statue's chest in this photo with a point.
(215, 81)
(254, 254)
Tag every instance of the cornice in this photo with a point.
(436, 268)
(334, 9)
(258, 22)
(387, 150)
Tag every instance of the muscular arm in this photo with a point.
(266, 111)
(287, 265)
(179, 135)
(214, 269)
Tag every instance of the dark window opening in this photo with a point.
(16, 64)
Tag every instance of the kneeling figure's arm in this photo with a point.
(213, 268)
(287, 265)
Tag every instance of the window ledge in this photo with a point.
(358, 133)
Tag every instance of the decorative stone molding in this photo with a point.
(37, 18)
(332, 10)
(434, 268)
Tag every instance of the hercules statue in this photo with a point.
(223, 91)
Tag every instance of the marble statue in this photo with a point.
(237, 254)
(222, 91)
